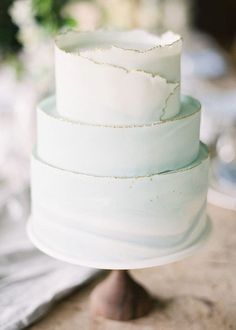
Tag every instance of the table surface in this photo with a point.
(197, 293)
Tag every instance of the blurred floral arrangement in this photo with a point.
(24, 22)
(15, 15)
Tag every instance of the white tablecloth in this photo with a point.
(30, 281)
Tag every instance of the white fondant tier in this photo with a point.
(109, 222)
(118, 151)
(116, 85)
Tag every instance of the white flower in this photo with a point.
(21, 12)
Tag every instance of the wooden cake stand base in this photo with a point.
(120, 298)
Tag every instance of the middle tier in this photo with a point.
(121, 151)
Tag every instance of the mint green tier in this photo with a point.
(119, 223)
(122, 151)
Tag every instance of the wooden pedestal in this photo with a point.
(120, 297)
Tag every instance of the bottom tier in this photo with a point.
(119, 223)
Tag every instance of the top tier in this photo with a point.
(118, 78)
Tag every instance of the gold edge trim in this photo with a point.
(154, 124)
(166, 102)
(167, 45)
(189, 167)
(130, 71)
(118, 67)
(150, 74)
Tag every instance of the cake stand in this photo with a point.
(119, 296)
(119, 181)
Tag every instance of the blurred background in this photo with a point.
(27, 28)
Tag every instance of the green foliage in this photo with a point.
(49, 14)
(8, 31)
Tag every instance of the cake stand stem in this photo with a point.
(119, 297)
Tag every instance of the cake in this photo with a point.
(119, 177)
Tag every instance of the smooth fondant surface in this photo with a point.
(118, 151)
(119, 222)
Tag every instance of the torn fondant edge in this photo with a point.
(78, 54)
(178, 39)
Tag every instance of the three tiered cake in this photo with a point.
(119, 177)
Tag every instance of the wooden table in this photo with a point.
(198, 293)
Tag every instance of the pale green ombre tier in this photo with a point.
(109, 222)
(118, 151)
